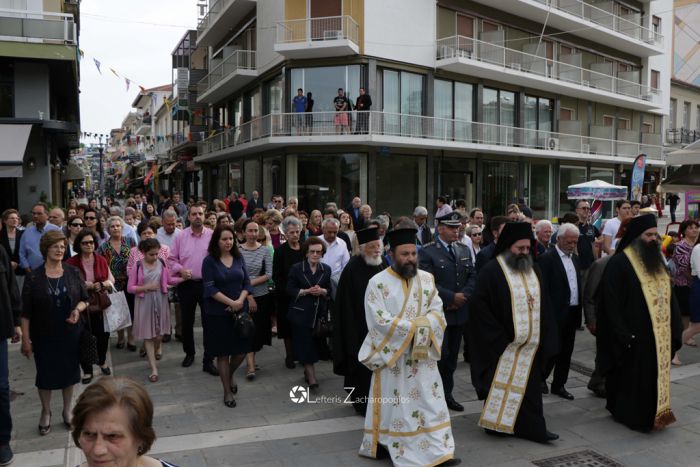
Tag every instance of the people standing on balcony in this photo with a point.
(363, 105)
(342, 105)
(309, 117)
(299, 107)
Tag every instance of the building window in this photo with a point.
(538, 113)
(647, 127)
(654, 79)
(539, 191)
(623, 123)
(323, 83)
(7, 98)
(608, 120)
(317, 179)
(697, 118)
(411, 184)
(453, 100)
(686, 115)
(402, 93)
(566, 114)
(273, 178)
(500, 185)
(251, 176)
(656, 24)
(569, 176)
(499, 112)
(673, 110)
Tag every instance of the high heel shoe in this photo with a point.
(65, 422)
(46, 429)
(230, 404)
(234, 389)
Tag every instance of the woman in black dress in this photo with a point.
(10, 237)
(226, 287)
(53, 297)
(308, 287)
(286, 255)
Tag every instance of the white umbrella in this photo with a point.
(596, 189)
(689, 155)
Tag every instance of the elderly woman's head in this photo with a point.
(113, 422)
(52, 244)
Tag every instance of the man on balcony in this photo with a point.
(342, 105)
(299, 106)
(363, 105)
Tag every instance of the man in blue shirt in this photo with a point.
(299, 105)
(30, 257)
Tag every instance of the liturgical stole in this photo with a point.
(657, 295)
(502, 405)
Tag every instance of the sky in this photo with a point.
(135, 38)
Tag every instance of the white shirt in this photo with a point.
(695, 261)
(336, 256)
(166, 239)
(610, 229)
(570, 276)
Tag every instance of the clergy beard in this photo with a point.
(407, 270)
(372, 261)
(520, 263)
(650, 254)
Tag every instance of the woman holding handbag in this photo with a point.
(53, 298)
(226, 288)
(98, 279)
(308, 287)
(149, 283)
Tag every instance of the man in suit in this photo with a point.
(451, 264)
(140, 203)
(354, 211)
(253, 203)
(488, 252)
(420, 217)
(561, 275)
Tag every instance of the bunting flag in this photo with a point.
(168, 103)
(82, 54)
(154, 100)
(115, 73)
(97, 64)
(128, 83)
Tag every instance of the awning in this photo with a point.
(684, 179)
(688, 155)
(73, 172)
(14, 143)
(171, 167)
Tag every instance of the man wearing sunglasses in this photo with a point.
(29, 255)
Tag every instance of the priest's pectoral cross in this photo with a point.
(530, 301)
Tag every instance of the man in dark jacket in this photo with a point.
(10, 307)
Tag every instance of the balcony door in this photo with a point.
(326, 21)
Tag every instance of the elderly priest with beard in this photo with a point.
(350, 326)
(512, 338)
(639, 329)
(406, 414)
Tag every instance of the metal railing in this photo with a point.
(24, 26)
(527, 63)
(215, 10)
(318, 29)
(629, 25)
(445, 130)
(681, 136)
(238, 60)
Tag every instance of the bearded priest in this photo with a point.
(512, 338)
(639, 329)
(406, 414)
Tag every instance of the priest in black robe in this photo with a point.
(494, 340)
(638, 329)
(350, 325)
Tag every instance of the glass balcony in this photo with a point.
(22, 26)
(227, 75)
(318, 37)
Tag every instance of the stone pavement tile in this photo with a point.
(647, 458)
(685, 416)
(241, 454)
(194, 458)
(171, 425)
(678, 454)
(601, 430)
(514, 463)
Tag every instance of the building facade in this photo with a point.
(482, 100)
(39, 111)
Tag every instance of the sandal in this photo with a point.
(250, 376)
(153, 378)
(45, 430)
(66, 423)
(142, 352)
(159, 356)
(691, 342)
(86, 379)
(230, 404)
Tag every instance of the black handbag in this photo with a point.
(88, 345)
(243, 324)
(323, 326)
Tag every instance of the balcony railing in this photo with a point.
(430, 129)
(526, 63)
(681, 136)
(628, 25)
(318, 29)
(215, 10)
(23, 26)
(238, 60)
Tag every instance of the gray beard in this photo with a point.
(407, 271)
(520, 263)
(370, 261)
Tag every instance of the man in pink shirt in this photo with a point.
(186, 257)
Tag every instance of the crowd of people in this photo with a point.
(392, 302)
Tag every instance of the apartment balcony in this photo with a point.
(37, 27)
(415, 131)
(681, 136)
(221, 17)
(532, 69)
(227, 75)
(333, 36)
(596, 21)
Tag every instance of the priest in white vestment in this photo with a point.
(406, 413)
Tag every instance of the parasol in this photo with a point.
(598, 190)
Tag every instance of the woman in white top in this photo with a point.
(694, 299)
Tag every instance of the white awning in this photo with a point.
(14, 140)
(171, 167)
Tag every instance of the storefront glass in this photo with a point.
(323, 83)
(500, 181)
(251, 177)
(569, 176)
(317, 179)
(538, 193)
(400, 184)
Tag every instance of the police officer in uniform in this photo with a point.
(452, 265)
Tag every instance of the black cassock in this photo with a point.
(626, 345)
(491, 330)
(350, 327)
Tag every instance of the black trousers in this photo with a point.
(568, 325)
(96, 326)
(448, 359)
(191, 294)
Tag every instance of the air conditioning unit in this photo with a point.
(332, 35)
(515, 66)
(585, 148)
(647, 97)
(553, 144)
